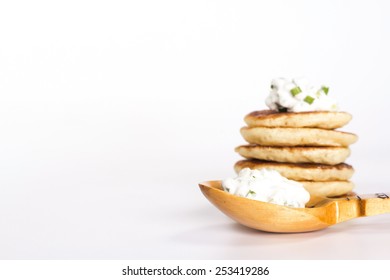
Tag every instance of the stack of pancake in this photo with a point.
(301, 146)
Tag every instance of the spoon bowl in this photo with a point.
(319, 213)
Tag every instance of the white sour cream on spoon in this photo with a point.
(268, 186)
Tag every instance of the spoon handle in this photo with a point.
(363, 205)
(378, 203)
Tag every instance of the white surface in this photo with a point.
(112, 112)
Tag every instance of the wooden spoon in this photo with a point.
(318, 214)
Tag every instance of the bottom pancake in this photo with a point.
(301, 171)
(328, 189)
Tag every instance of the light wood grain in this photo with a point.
(318, 214)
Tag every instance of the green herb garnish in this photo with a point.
(250, 192)
(308, 99)
(325, 89)
(295, 91)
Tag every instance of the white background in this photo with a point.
(111, 112)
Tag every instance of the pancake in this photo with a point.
(297, 137)
(324, 155)
(313, 119)
(330, 189)
(301, 171)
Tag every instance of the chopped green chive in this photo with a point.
(295, 91)
(250, 192)
(325, 89)
(308, 99)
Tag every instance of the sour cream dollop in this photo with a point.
(267, 185)
(298, 95)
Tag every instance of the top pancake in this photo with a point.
(312, 119)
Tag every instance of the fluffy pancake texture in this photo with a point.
(297, 137)
(313, 119)
(301, 171)
(324, 155)
(328, 189)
